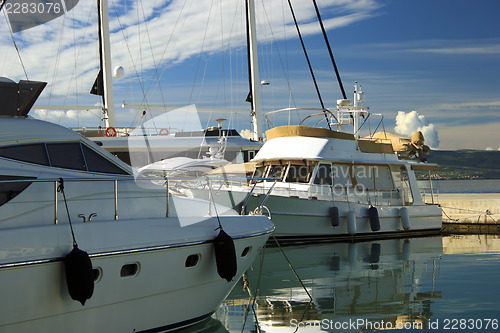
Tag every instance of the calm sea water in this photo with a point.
(436, 283)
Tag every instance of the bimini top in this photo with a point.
(303, 142)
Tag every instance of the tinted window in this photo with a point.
(98, 163)
(27, 153)
(259, 173)
(299, 173)
(11, 188)
(66, 155)
(324, 175)
(276, 171)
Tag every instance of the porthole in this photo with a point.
(192, 260)
(246, 251)
(97, 273)
(129, 270)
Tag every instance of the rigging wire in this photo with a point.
(76, 57)
(201, 52)
(56, 64)
(139, 55)
(172, 33)
(229, 51)
(308, 63)
(223, 72)
(233, 51)
(15, 45)
(283, 67)
(154, 65)
(155, 74)
(329, 50)
(129, 52)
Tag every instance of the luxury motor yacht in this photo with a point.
(85, 246)
(326, 181)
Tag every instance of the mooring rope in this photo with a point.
(60, 188)
(486, 213)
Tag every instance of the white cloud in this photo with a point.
(453, 106)
(60, 116)
(479, 49)
(158, 33)
(445, 47)
(408, 123)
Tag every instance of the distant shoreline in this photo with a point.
(464, 164)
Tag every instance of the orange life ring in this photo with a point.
(110, 131)
(164, 131)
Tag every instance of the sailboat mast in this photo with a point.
(109, 108)
(254, 72)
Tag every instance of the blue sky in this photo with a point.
(439, 58)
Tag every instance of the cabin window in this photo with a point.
(192, 260)
(299, 173)
(407, 196)
(34, 153)
(67, 155)
(371, 177)
(246, 251)
(129, 270)
(324, 175)
(97, 163)
(259, 173)
(342, 176)
(383, 179)
(403, 174)
(364, 176)
(276, 171)
(97, 274)
(10, 188)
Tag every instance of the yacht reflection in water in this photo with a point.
(353, 287)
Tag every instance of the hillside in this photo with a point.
(465, 164)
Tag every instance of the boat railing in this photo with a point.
(264, 186)
(337, 118)
(429, 195)
(346, 116)
(317, 112)
(99, 131)
(150, 188)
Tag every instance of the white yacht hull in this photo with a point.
(298, 217)
(310, 218)
(164, 294)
